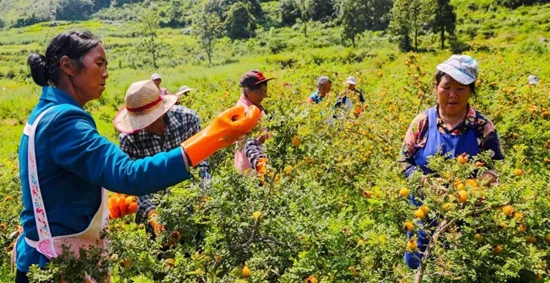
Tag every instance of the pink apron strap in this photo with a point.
(41, 219)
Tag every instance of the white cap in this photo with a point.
(533, 80)
(155, 76)
(351, 81)
(183, 90)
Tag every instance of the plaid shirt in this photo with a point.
(181, 124)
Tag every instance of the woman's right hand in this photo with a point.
(226, 128)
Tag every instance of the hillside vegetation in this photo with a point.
(331, 209)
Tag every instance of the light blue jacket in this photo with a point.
(73, 163)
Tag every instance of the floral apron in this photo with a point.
(52, 247)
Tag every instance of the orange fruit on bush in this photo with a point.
(245, 272)
(8, 198)
(170, 262)
(508, 210)
(518, 172)
(462, 159)
(132, 208)
(130, 200)
(462, 196)
(126, 262)
(419, 213)
(471, 182)
(479, 164)
(522, 228)
(296, 141)
(409, 226)
(425, 209)
(531, 239)
(547, 238)
(448, 206)
(412, 245)
(312, 279)
(404, 192)
(498, 249)
(361, 242)
(460, 187)
(2, 226)
(367, 194)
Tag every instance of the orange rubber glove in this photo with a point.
(261, 166)
(226, 128)
(152, 218)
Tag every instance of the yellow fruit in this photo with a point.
(460, 187)
(8, 198)
(296, 141)
(312, 279)
(518, 172)
(361, 242)
(479, 164)
(478, 238)
(419, 213)
(412, 245)
(518, 215)
(522, 228)
(462, 159)
(404, 192)
(126, 262)
(425, 209)
(508, 210)
(245, 272)
(367, 194)
(170, 262)
(409, 226)
(448, 206)
(457, 183)
(462, 196)
(256, 214)
(471, 182)
(288, 169)
(547, 238)
(531, 240)
(498, 249)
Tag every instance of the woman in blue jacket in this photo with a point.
(65, 163)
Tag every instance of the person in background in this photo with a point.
(64, 162)
(149, 132)
(351, 98)
(533, 80)
(452, 126)
(157, 78)
(323, 88)
(250, 155)
(182, 94)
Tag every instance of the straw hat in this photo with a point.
(144, 105)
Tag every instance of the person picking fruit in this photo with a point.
(146, 133)
(452, 126)
(66, 164)
(249, 155)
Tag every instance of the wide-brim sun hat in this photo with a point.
(143, 106)
(183, 90)
(462, 68)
